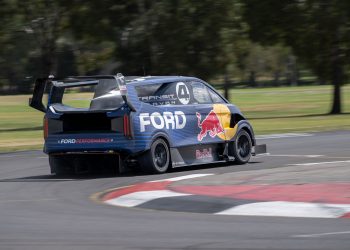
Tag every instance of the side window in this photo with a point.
(215, 97)
(147, 93)
(171, 93)
(200, 93)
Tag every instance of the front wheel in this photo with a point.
(242, 147)
(157, 159)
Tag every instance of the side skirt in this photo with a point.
(196, 155)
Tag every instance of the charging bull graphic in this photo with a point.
(210, 124)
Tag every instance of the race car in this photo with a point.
(154, 122)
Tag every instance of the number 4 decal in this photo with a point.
(182, 93)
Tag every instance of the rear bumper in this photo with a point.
(62, 143)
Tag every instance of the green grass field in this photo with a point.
(270, 110)
(292, 109)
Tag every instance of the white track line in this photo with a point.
(12, 156)
(289, 209)
(308, 156)
(286, 135)
(138, 198)
(179, 178)
(318, 163)
(319, 235)
(6, 201)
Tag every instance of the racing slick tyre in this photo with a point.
(59, 165)
(242, 147)
(157, 159)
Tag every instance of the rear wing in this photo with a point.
(55, 88)
(37, 100)
(123, 90)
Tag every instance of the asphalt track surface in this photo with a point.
(40, 211)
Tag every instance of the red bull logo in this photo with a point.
(204, 154)
(210, 124)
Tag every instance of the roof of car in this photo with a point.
(142, 80)
(136, 80)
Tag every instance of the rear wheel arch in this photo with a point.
(161, 135)
(164, 138)
(157, 159)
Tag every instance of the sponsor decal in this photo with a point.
(168, 120)
(204, 154)
(159, 99)
(85, 140)
(156, 97)
(210, 124)
(123, 90)
(161, 103)
(177, 163)
(182, 92)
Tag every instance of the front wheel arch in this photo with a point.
(250, 134)
(245, 125)
(242, 147)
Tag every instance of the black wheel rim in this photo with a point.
(243, 146)
(160, 156)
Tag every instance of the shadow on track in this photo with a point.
(134, 172)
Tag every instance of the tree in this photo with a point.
(42, 21)
(317, 31)
(195, 37)
(29, 31)
(163, 37)
(137, 37)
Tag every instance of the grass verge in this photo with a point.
(270, 110)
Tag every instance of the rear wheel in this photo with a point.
(242, 147)
(157, 159)
(68, 164)
(59, 165)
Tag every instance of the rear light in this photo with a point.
(46, 127)
(126, 122)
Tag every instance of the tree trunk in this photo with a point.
(276, 78)
(336, 107)
(292, 74)
(226, 87)
(337, 76)
(252, 79)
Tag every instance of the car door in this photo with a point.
(224, 111)
(210, 128)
